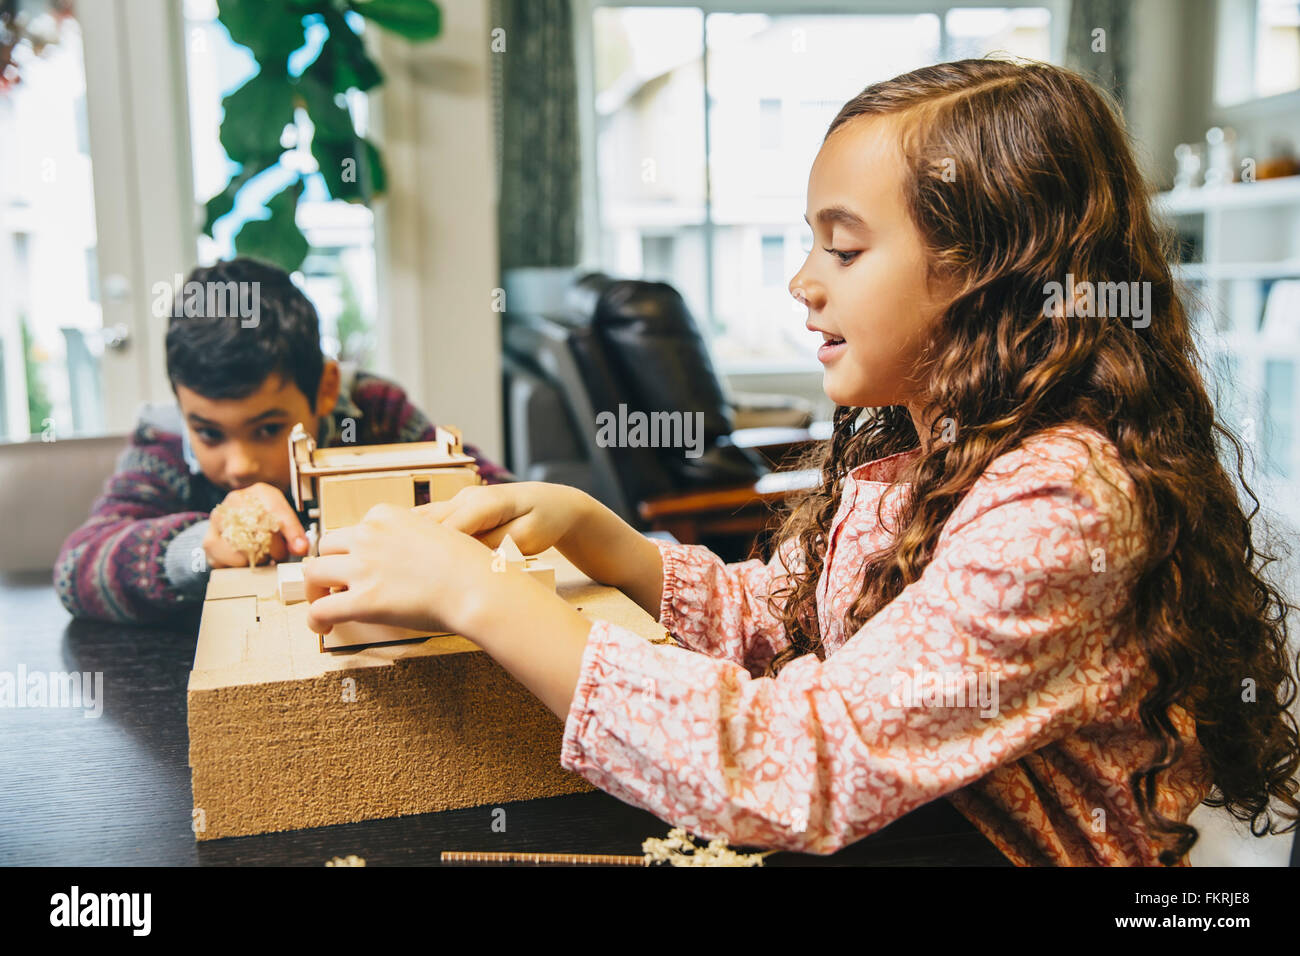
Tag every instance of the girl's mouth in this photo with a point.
(830, 350)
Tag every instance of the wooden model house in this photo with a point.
(337, 486)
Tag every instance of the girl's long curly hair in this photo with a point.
(1041, 182)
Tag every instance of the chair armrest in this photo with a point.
(759, 410)
(780, 446)
(771, 488)
(745, 510)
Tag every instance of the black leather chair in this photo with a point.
(632, 343)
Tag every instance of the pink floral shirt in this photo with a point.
(1000, 679)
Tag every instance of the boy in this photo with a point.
(241, 383)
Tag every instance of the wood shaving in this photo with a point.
(679, 849)
(350, 860)
(248, 528)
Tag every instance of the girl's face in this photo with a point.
(864, 282)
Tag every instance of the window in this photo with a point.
(339, 274)
(774, 260)
(1277, 47)
(706, 126)
(50, 319)
(769, 124)
(1257, 50)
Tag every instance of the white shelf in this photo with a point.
(1248, 233)
(1264, 192)
(1202, 271)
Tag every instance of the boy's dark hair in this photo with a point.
(224, 351)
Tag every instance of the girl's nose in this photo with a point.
(802, 292)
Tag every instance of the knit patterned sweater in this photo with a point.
(139, 557)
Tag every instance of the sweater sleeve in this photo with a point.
(722, 609)
(1005, 643)
(115, 567)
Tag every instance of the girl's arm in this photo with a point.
(715, 608)
(711, 607)
(1013, 611)
(610, 551)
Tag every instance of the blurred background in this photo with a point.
(501, 149)
(444, 179)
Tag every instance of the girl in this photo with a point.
(1025, 582)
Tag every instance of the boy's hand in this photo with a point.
(288, 539)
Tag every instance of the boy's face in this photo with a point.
(243, 441)
(873, 295)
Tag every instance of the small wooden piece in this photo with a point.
(543, 574)
(508, 557)
(290, 583)
(514, 558)
(543, 859)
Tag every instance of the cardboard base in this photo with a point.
(283, 736)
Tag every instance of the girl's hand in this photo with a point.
(537, 515)
(399, 567)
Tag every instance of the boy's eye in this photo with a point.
(208, 436)
(844, 257)
(269, 431)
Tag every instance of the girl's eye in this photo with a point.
(844, 257)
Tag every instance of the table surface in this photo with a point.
(115, 790)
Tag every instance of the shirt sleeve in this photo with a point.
(722, 610)
(115, 566)
(1015, 612)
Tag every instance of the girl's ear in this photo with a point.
(327, 396)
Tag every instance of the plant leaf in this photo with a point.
(276, 240)
(344, 55)
(413, 19)
(332, 121)
(353, 170)
(223, 202)
(334, 141)
(256, 115)
(267, 27)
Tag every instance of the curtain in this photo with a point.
(536, 115)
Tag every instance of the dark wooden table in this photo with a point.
(115, 790)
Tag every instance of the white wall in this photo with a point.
(436, 236)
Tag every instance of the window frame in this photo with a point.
(584, 55)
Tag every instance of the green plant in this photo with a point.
(353, 332)
(39, 406)
(257, 113)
